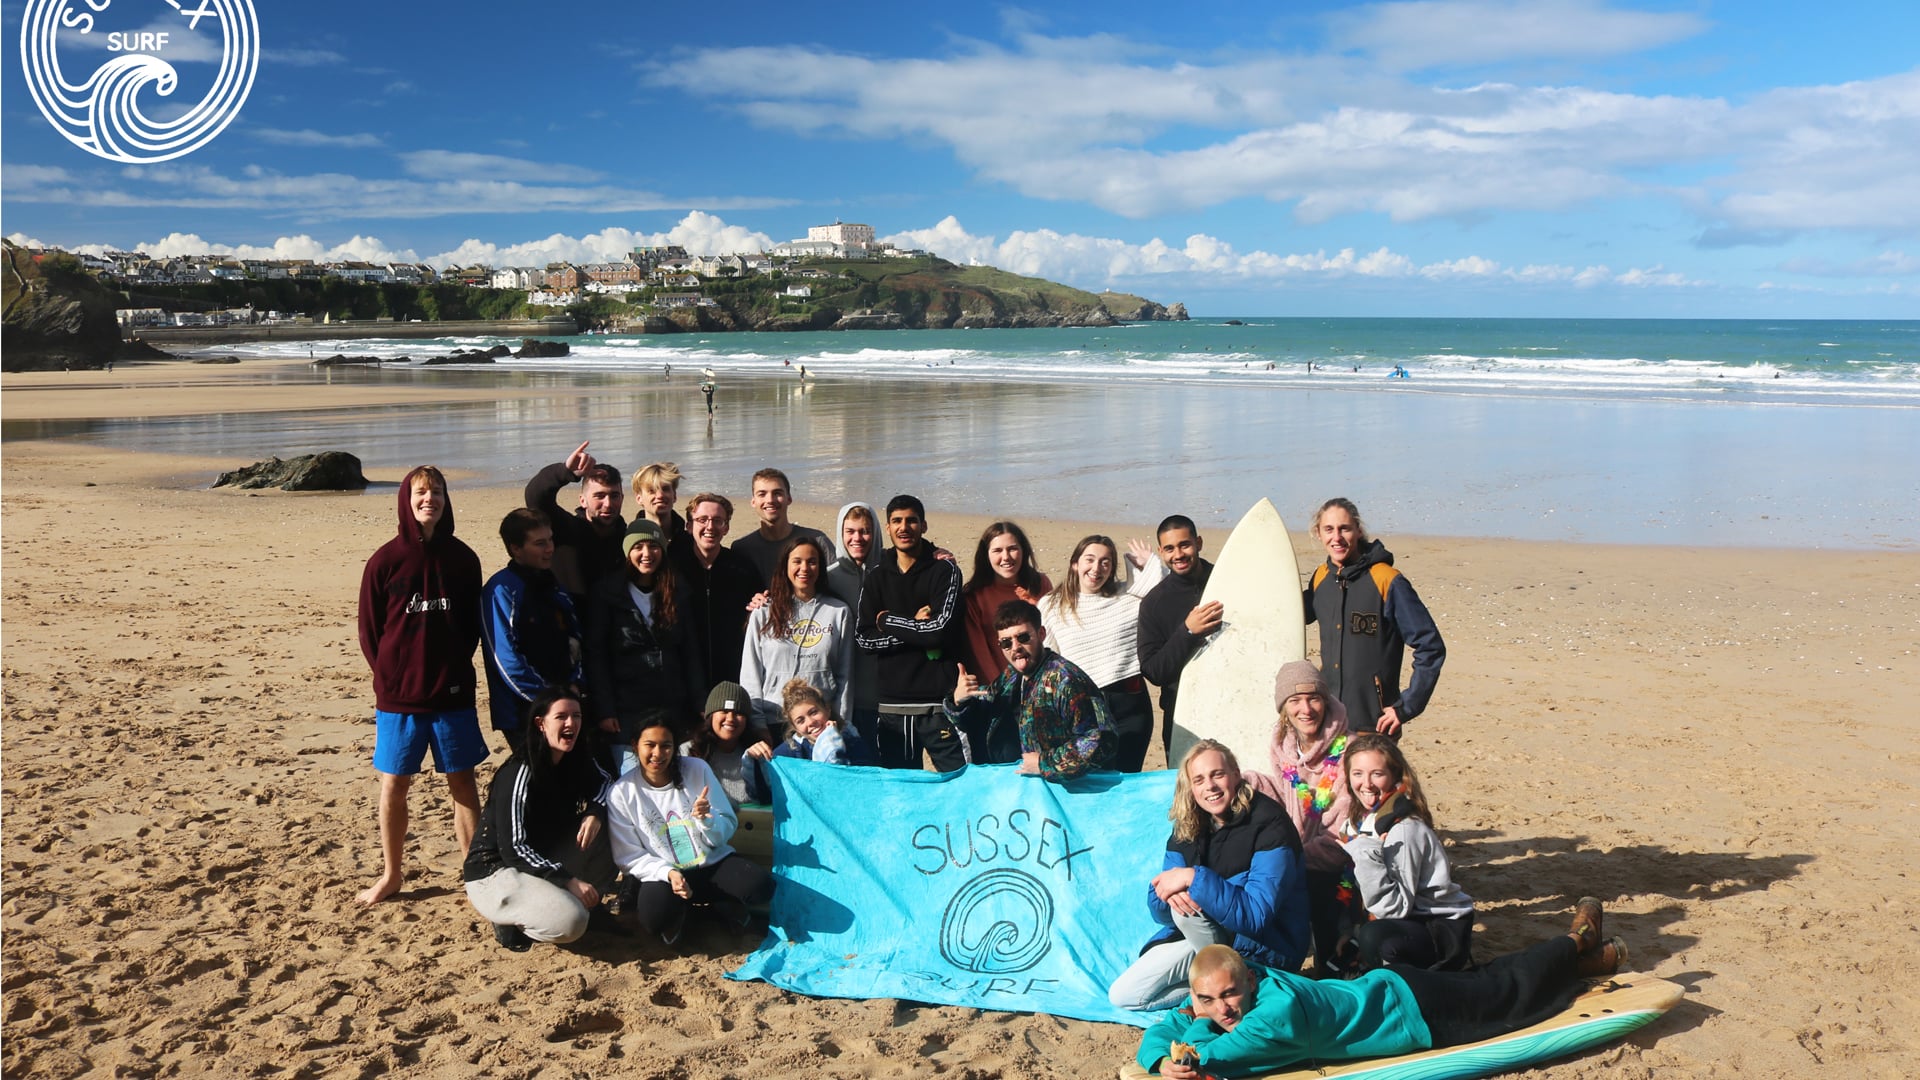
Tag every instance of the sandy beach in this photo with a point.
(1716, 741)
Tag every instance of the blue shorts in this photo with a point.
(400, 741)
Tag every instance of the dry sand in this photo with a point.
(1717, 742)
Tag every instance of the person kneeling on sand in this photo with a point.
(1237, 1024)
(540, 861)
(671, 825)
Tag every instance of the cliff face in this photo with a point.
(920, 294)
(57, 315)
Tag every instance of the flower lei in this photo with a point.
(1317, 796)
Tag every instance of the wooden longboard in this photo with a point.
(1226, 690)
(1606, 1011)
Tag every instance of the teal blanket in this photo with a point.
(980, 887)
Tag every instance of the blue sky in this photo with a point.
(1439, 157)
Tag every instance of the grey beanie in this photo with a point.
(1297, 677)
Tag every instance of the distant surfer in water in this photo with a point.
(1241, 1022)
(1369, 615)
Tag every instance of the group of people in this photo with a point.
(642, 672)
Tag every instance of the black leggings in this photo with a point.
(658, 907)
(1514, 991)
(1132, 720)
(1440, 942)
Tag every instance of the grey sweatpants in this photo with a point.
(544, 910)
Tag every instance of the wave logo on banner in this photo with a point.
(102, 113)
(980, 887)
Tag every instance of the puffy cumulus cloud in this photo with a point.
(1428, 33)
(1142, 131)
(699, 232)
(359, 248)
(1096, 262)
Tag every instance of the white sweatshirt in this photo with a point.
(653, 829)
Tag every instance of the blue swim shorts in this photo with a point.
(400, 741)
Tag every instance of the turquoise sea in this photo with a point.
(1844, 362)
(1760, 433)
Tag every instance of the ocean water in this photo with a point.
(1664, 432)
(1765, 361)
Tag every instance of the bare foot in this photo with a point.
(381, 889)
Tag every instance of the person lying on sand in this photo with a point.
(1236, 1025)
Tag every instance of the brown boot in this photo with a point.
(1587, 915)
(1603, 961)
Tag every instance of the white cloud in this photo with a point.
(315, 197)
(1095, 262)
(310, 137)
(1885, 263)
(1097, 120)
(1427, 33)
(458, 165)
(700, 233)
(300, 57)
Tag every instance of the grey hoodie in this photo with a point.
(843, 584)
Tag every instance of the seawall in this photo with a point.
(161, 337)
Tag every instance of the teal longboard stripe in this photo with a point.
(1501, 1055)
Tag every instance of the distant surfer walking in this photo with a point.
(1369, 615)
(1173, 621)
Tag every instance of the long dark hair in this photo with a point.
(1029, 577)
(673, 740)
(666, 613)
(703, 743)
(779, 622)
(533, 745)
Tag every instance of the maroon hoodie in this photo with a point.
(420, 617)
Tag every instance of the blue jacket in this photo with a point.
(530, 637)
(1248, 877)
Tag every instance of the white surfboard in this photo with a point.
(1226, 690)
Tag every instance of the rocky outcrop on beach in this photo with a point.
(471, 356)
(536, 349)
(342, 360)
(57, 316)
(329, 470)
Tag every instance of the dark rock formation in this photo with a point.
(535, 349)
(329, 470)
(339, 360)
(1233, 322)
(471, 356)
(57, 316)
(136, 349)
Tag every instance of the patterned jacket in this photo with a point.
(1058, 713)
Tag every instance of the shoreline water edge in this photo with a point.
(1708, 449)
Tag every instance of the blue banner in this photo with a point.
(980, 887)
